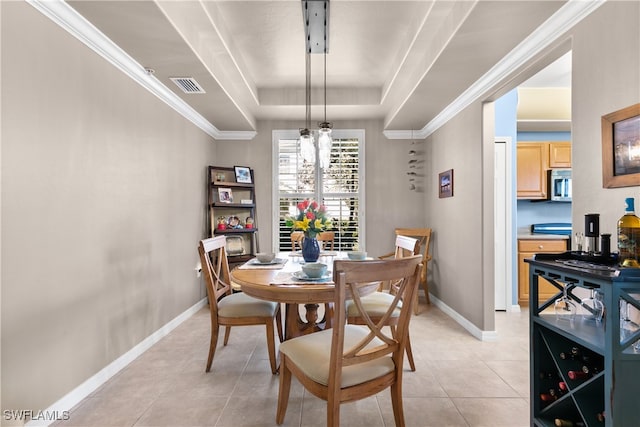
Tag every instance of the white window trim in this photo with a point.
(279, 134)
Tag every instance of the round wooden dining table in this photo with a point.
(276, 284)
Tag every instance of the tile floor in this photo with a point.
(459, 381)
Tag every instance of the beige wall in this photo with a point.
(103, 200)
(103, 203)
(606, 61)
(457, 265)
(606, 66)
(389, 202)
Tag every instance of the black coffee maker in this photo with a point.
(592, 232)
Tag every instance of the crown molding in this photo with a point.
(404, 134)
(564, 19)
(76, 25)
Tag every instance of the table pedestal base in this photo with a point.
(295, 326)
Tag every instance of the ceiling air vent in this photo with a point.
(187, 84)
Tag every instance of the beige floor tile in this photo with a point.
(459, 381)
(421, 383)
(494, 412)
(257, 411)
(362, 413)
(470, 378)
(183, 410)
(514, 373)
(423, 412)
(108, 411)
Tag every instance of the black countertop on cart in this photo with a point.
(585, 265)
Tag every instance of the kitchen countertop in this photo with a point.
(530, 236)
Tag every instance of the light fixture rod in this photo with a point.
(308, 90)
(315, 15)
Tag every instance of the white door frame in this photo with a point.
(503, 221)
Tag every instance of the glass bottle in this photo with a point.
(628, 235)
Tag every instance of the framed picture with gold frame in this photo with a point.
(621, 148)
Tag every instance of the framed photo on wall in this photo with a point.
(243, 174)
(445, 184)
(621, 148)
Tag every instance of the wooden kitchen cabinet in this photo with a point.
(526, 249)
(532, 165)
(534, 159)
(560, 155)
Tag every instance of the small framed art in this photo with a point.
(445, 184)
(225, 195)
(243, 174)
(621, 148)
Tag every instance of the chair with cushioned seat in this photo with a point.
(352, 362)
(377, 303)
(234, 309)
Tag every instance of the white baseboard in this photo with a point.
(79, 393)
(515, 308)
(470, 327)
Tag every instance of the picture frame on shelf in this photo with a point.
(445, 184)
(243, 174)
(621, 148)
(225, 195)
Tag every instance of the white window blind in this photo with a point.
(339, 187)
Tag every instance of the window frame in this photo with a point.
(277, 135)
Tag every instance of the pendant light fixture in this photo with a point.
(315, 14)
(324, 139)
(307, 147)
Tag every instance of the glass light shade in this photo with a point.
(324, 147)
(307, 149)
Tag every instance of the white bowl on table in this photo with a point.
(314, 270)
(265, 257)
(357, 255)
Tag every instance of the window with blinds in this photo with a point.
(339, 187)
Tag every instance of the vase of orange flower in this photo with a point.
(310, 219)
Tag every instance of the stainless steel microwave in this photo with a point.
(560, 185)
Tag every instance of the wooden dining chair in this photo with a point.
(296, 241)
(352, 362)
(234, 309)
(376, 304)
(326, 239)
(424, 237)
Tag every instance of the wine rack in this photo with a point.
(574, 357)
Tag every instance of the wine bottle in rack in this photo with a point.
(573, 354)
(549, 375)
(590, 370)
(559, 422)
(577, 375)
(548, 397)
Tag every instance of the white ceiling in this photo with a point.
(400, 61)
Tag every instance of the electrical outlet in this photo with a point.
(198, 270)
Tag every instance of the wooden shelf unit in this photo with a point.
(220, 177)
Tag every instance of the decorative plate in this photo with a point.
(233, 221)
(272, 262)
(234, 245)
(301, 276)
